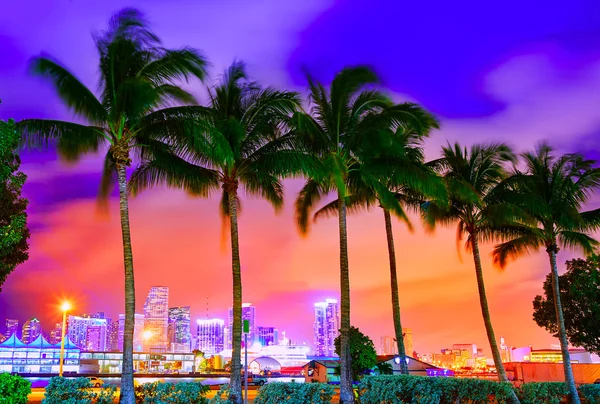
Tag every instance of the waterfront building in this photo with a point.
(210, 335)
(326, 327)
(179, 333)
(31, 330)
(39, 356)
(156, 319)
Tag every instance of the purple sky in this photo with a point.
(518, 71)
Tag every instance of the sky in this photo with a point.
(512, 71)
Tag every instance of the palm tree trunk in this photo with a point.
(127, 389)
(236, 334)
(346, 392)
(562, 333)
(487, 320)
(395, 296)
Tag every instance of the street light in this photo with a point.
(65, 307)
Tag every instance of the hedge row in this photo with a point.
(372, 390)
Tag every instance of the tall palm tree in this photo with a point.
(238, 140)
(405, 181)
(472, 177)
(342, 131)
(137, 78)
(552, 191)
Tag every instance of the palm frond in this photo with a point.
(308, 196)
(516, 247)
(76, 95)
(575, 240)
(175, 65)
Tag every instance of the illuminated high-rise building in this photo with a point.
(267, 335)
(56, 334)
(77, 330)
(138, 332)
(156, 319)
(504, 351)
(31, 330)
(179, 334)
(326, 327)
(248, 313)
(210, 335)
(112, 338)
(12, 327)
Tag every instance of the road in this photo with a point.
(37, 394)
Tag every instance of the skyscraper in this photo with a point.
(12, 327)
(268, 336)
(179, 335)
(78, 328)
(31, 330)
(56, 334)
(248, 313)
(156, 315)
(112, 339)
(390, 347)
(210, 335)
(326, 327)
(138, 332)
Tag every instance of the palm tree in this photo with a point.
(137, 77)
(344, 130)
(552, 191)
(404, 181)
(237, 140)
(472, 177)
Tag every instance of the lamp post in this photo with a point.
(65, 308)
(246, 331)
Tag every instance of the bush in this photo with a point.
(590, 393)
(222, 396)
(546, 392)
(431, 390)
(13, 389)
(76, 391)
(295, 393)
(171, 393)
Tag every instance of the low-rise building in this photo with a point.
(39, 356)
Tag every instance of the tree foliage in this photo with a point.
(362, 352)
(580, 300)
(14, 232)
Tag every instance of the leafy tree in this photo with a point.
(472, 176)
(237, 140)
(580, 302)
(138, 77)
(362, 351)
(552, 191)
(14, 232)
(345, 132)
(399, 181)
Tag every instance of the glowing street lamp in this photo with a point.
(65, 307)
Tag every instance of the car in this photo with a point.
(255, 380)
(94, 381)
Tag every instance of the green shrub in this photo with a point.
(222, 396)
(590, 393)
(13, 389)
(76, 391)
(295, 393)
(431, 390)
(171, 393)
(546, 392)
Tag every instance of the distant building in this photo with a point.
(138, 333)
(248, 313)
(31, 330)
(39, 356)
(268, 335)
(389, 345)
(156, 315)
(210, 335)
(179, 335)
(56, 333)
(78, 328)
(326, 327)
(112, 343)
(504, 351)
(12, 327)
